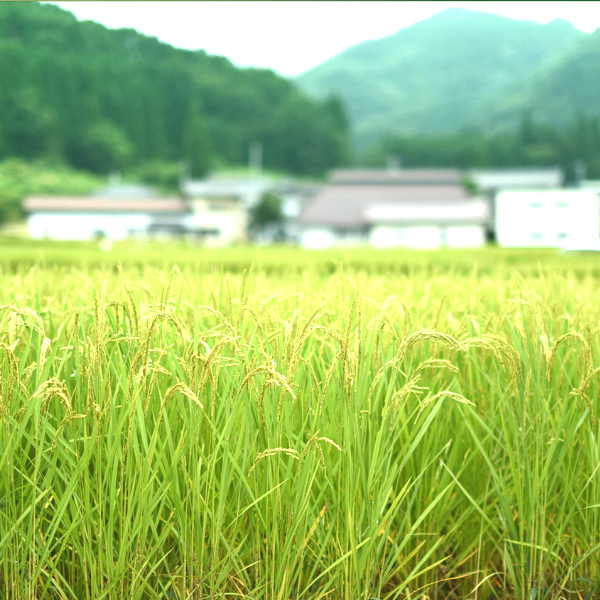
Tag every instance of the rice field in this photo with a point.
(186, 424)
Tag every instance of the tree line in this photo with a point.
(575, 148)
(104, 100)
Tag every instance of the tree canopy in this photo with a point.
(104, 99)
(529, 144)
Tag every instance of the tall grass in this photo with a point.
(268, 435)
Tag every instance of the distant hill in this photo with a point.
(102, 99)
(558, 93)
(444, 73)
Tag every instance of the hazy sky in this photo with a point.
(292, 37)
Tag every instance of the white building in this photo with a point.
(546, 218)
(84, 218)
(221, 221)
(496, 180)
(490, 182)
(416, 208)
(218, 222)
(222, 204)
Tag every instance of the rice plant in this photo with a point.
(340, 429)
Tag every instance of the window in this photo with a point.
(207, 232)
(174, 229)
(443, 236)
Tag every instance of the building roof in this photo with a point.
(354, 205)
(394, 176)
(127, 191)
(103, 205)
(247, 190)
(490, 179)
(296, 188)
(551, 195)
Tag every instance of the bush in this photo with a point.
(164, 175)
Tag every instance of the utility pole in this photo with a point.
(184, 173)
(580, 172)
(394, 163)
(255, 157)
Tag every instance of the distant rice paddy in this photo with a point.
(343, 425)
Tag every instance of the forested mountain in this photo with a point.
(104, 99)
(559, 93)
(442, 74)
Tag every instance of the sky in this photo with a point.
(292, 37)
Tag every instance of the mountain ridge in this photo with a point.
(440, 74)
(104, 99)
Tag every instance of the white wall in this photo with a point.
(465, 236)
(432, 236)
(325, 237)
(83, 226)
(317, 238)
(388, 236)
(418, 236)
(546, 218)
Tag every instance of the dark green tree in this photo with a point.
(29, 124)
(103, 148)
(197, 147)
(267, 218)
(304, 138)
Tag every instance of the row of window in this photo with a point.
(537, 237)
(558, 205)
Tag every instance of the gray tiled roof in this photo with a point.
(347, 205)
(395, 176)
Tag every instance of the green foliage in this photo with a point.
(109, 99)
(470, 186)
(19, 179)
(267, 216)
(303, 134)
(296, 429)
(29, 126)
(163, 175)
(103, 148)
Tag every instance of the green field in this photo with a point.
(277, 424)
